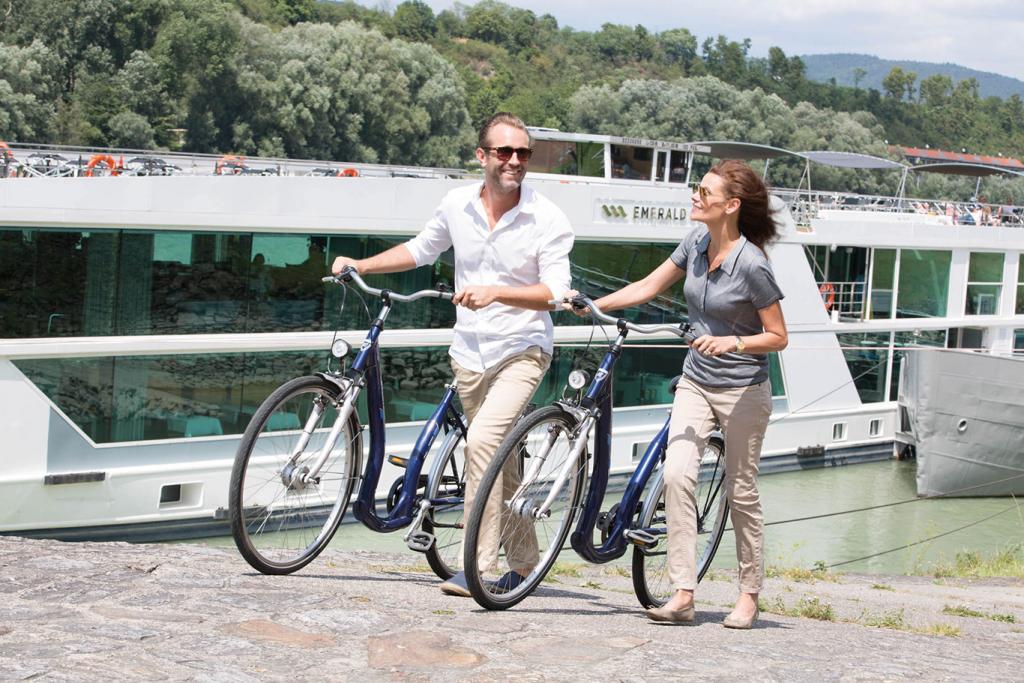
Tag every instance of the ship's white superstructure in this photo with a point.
(158, 311)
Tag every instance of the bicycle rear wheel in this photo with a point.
(279, 522)
(446, 517)
(650, 570)
(524, 541)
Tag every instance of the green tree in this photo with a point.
(29, 88)
(679, 47)
(414, 20)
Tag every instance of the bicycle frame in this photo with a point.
(366, 372)
(599, 398)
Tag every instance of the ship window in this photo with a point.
(923, 283)
(984, 283)
(568, 158)
(632, 163)
(1019, 309)
(133, 398)
(883, 269)
(867, 356)
(906, 342)
(1018, 342)
(875, 427)
(839, 431)
(59, 283)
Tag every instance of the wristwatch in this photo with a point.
(740, 345)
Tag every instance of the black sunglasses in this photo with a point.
(505, 153)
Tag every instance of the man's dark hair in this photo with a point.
(501, 117)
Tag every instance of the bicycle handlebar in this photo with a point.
(683, 330)
(350, 274)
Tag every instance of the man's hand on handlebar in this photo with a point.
(342, 262)
(475, 297)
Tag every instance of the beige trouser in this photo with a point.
(743, 414)
(492, 400)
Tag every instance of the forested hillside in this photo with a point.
(324, 79)
(868, 71)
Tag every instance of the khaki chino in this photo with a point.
(743, 414)
(492, 401)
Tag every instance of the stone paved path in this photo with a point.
(81, 611)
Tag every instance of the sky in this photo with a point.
(981, 34)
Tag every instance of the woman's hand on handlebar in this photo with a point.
(567, 298)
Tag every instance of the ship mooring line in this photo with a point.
(923, 540)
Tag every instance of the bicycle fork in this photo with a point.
(297, 478)
(523, 506)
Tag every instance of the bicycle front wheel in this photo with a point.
(446, 517)
(510, 544)
(650, 568)
(281, 517)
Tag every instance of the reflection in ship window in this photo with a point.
(1019, 308)
(1018, 342)
(924, 283)
(883, 272)
(568, 158)
(190, 396)
(907, 341)
(632, 163)
(867, 356)
(601, 268)
(677, 167)
(984, 283)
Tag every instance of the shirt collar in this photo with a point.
(729, 265)
(527, 201)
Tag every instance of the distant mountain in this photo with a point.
(840, 66)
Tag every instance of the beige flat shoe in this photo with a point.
(730, 622)
(671, 616)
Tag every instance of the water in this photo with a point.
(833, 539)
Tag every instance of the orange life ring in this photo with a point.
(348, 173)
(229, 163)
(104, 159)
(828, 294)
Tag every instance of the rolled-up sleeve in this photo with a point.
(553, 256)
(432, 241)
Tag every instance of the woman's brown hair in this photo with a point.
(755, 221)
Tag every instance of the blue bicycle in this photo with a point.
(551, 450)
(300, 456)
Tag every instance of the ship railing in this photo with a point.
(807, 204)
(845, 301)
(37, 160)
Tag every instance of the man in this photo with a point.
(511, 258)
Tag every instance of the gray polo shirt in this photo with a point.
(725, 303)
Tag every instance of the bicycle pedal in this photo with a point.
(398, 460)
(641, 538)
(420, 541)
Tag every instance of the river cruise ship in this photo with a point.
(149, 303)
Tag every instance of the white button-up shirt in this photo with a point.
(529, 245)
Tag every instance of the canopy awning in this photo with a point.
(745, 150)
(965, 169)
(851, 160)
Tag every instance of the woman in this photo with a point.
(733, 303)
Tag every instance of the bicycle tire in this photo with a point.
(650, 572)
(528, 434)
(444, 556)
(280, 528)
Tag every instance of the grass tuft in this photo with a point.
(970, 564)
(947, 630)
(801, 574)
(882, 587)
(893, 620)
(964, 611)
